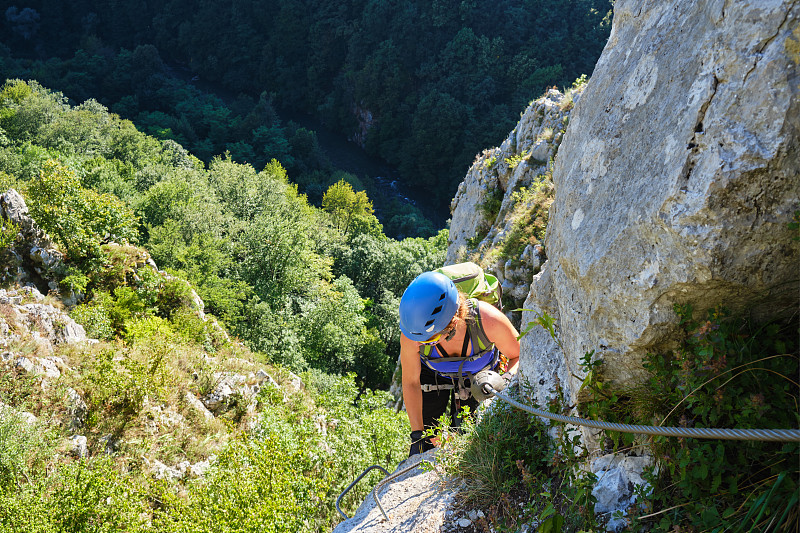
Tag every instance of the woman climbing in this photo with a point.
(447, 342)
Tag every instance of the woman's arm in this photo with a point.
(412, 391)
(501, 332)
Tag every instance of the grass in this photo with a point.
(528, 216)
(545, 135)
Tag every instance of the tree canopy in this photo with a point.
(439, 80)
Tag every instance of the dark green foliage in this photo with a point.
(441, 80)
(260, 257)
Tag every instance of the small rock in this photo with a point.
(199, 469)
(198, 406)
(162, 471)
(49, 368)
(77, 408)
(25, 364)
(464, 522)
(110, 444)
(79, 446)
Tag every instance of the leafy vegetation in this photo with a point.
(269, 267)
(517, 473)
(729, 373)
(298, 283)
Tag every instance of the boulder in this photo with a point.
(618, 479)
(33, 258)
(675, 182)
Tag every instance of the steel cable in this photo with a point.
(777, 435)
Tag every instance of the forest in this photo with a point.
(422, 85)
(308, 287)
(246, 206)
(284, 285)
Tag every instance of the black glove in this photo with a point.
(419, 443)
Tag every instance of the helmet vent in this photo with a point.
(436, 311)
(442, 297)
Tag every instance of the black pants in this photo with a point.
(435, 403)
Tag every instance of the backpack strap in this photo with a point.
(476, 331)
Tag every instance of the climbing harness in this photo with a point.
(772, 435)
(483, 354)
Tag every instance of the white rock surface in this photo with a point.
(76, 408)
(519, 162)
(197, 405)
(161, 471)
(34, 258)
(6, 411)
(617, 478)
(413, 502)
(79, 447)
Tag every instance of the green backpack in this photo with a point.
(475, 283)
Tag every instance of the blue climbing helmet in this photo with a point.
(427, 306)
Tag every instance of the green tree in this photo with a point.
(78, 219)
(346, 207)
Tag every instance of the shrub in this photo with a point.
(88, 496)
(492, 201)
(516, 159)
(25, 449)
(95, 320)
(78, 219)
(728, 373)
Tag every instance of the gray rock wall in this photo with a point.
(675, 182)
(32, 258)
(522, 159)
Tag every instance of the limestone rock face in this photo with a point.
(33, 258)
(477, 233)
(25, 314)
(675, 183)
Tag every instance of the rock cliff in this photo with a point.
(500, 210)
(673, 180)
(675, 183)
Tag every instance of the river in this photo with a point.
(343, 154)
